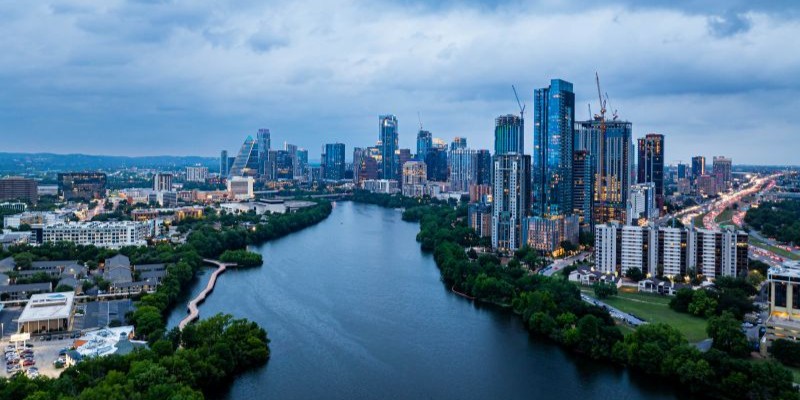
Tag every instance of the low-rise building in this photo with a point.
(23, 291)
(47, 312)
(32, 218)
(388, 186)
(784, 304)
(101, 234)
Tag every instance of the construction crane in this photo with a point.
(521, 106)
(590, 110)
(419, 117)
(600, 190)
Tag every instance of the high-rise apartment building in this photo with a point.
(162, 182)
(511, 200)
(553, 126)
(436, 160)
(333, 162)
(642, 206)
(509, 135)
(650, 166)
(223, 163)
(484, 167)
(612, 156)
(18, 188)
(82, 185)
(388, 137)
(464, 169)
(415, 176)
(301, 172)
(582, 186)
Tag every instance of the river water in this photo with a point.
(355, 310)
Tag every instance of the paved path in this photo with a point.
(560, 264)
(194, 313)
(615, 313)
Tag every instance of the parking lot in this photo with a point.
(44, 352)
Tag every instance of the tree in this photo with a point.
(727, 335)
(64, 288)
(635, 274)
(23, 260)
(786, 351)
(702, 304)
(603, 290)
(680, 302)
(568, 246)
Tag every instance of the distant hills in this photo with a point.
(44, 162)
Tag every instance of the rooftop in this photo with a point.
(48, 306)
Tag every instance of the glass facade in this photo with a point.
(553, 126)
(388, 137)
(509, 135)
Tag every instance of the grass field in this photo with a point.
(698, 220)
(655, 308)
(724, 216)
(777, 250)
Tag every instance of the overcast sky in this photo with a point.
(194, 77)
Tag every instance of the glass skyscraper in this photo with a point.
(387, 125)
(553, 125)
(246, 161)
(509, 135)
(263, 139)
(650, 165)
(424, 143)
(333, 162)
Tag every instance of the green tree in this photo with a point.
(603, 290)
(786, 351)
(635, 274)
(727, 335)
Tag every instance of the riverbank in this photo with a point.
(194, 312)
(551, 308)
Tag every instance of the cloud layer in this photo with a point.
(194, 77)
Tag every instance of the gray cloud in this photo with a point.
(313, 71)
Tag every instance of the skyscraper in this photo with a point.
(458, 143)
(553, 125)
(263, 141)
(424, 143)
(611, 155)
(388, 136)
(301, 170)
(333, 162)
(722, 172)
(511, 200)
(484, 166)
(223, 163)
(698, 167)
(651, 164)
(463, 166)
(509, 135)
(246, 161)
(436, 161)
(162, 182)
(582, 185)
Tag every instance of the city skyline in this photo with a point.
(180, 75)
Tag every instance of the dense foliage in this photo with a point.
(786, 351)
(242, 258)
(211, 353)
(777, 220)
(728, 295)
(551, 307)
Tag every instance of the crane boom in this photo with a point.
(521, 106)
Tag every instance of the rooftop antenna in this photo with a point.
(521, 106)
(590, 111)
(419, 117)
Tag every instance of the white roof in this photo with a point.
(48, 306)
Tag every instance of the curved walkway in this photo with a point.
(194, 313)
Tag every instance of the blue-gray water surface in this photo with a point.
(355, 310)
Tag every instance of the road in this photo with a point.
(560, 264)
(615, 313)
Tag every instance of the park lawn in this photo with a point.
(655, 309)
(698, 220)
(724, 216)
(777, 250)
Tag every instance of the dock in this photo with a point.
(194, 312)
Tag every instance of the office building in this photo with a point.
(223, 163)
(365, 164)
(722, 173)
(611, 152)
(511, 200)
(196, 174)
(642, 206)
(484, 167)
(436, 160)
(464, 169)
(246, 161)
(162, 182)
(85, 186)
(386, 186)
(280, 165)
(683, 171)
(17, 188)
(509, 135)
(651, 164)
(301, 165)
(264, 145)
(480, 193)
(47, 312)
(388, 137)
(553, 134)
(698, 167)
(458, 143)
(241, 188)
(670, 252)
(784, 304)
(333, 162)
(424, 143)
(101, 234)
(582, 186)
(707, 185)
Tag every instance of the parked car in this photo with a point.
(28, 363)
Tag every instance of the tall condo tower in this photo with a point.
(388, 137)
(553, 132)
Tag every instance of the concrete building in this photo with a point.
(546, 234)
(388, 186)
(463, 166)
(100, 234)
(707, 185)
(48, 312)
(84, 186)
(415, 176)
(18, 188)
(241, 188)
(784, 304)
(642, 207)
(582, 186)
(32, 218)
(479, 216)
(162, 182)
(196, 174)
(722, 172)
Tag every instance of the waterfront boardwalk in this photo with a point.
(194, 313)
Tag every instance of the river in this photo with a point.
(355, 310)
